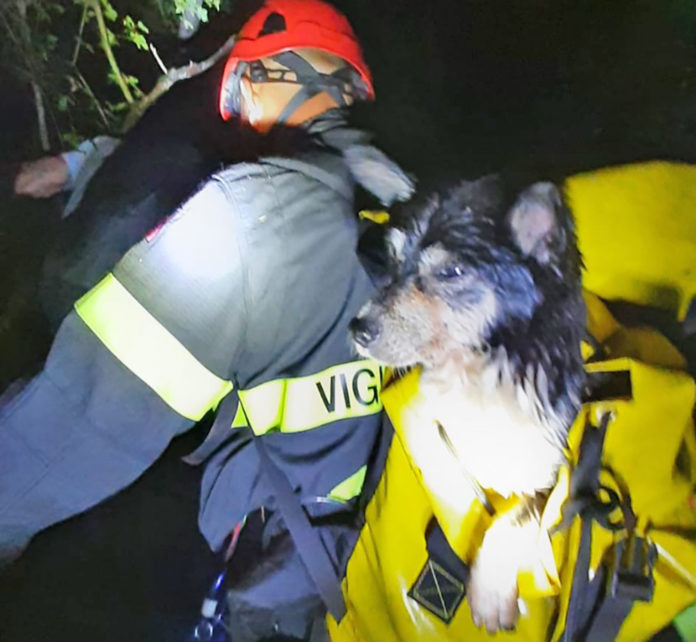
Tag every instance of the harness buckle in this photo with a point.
(633, 572)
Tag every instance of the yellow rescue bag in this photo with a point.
(636, 229)
(629, 546)
(397, 589)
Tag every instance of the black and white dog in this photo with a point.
(485, 295)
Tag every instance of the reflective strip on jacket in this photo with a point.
(248, 290)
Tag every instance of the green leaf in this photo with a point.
(139, 41)
(117, 107)
(63, 102)
(109, 11)
(143, 27)
(71, 139)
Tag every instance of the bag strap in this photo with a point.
(631, 578)
(306, 539)
(219, 431)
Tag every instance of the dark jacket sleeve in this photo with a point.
(89, 423)
(84, 428)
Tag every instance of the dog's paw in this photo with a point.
(492, 596)
(492, 589)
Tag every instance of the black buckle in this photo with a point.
(633, 572)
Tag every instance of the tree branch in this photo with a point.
(78, 41)
(158, 60)
(41, 116)
(94, 99)
(25, 38)
(104, 42)
(173, 76)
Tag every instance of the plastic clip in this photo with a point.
(633, 574)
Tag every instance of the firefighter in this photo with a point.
(241, 298)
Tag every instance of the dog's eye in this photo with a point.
(453, 271)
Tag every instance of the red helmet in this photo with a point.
(284, 25)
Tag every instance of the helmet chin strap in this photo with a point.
(313, 83)
(339, 84)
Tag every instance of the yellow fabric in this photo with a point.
(640, 343)
(636, 229)
(389, 557)
(642, 445)
(149, 350)
(296, 404)
(376, 216)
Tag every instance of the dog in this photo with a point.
(484, 293)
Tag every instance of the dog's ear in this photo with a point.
(535, 222)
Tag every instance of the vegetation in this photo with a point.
(78, 58)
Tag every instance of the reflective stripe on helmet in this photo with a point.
(149, 350)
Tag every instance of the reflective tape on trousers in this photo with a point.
(149, 350)
(293, 405)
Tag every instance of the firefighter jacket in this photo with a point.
(247, 290)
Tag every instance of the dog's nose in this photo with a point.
(364, 330)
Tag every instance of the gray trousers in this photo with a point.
(81, 430)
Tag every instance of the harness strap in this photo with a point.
(302, 96)
(585, 484)
(579, 589)
(219, 432)
(631, 581)
(609, 618)
(312, 81)
(306, 539)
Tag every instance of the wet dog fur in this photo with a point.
(484, 294)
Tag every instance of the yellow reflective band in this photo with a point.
(149, 350)
(239, 420)
(293, 405)
(349, 488)
(263, 406)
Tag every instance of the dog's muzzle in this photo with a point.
(364, 330)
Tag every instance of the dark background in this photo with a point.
(463, 87)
